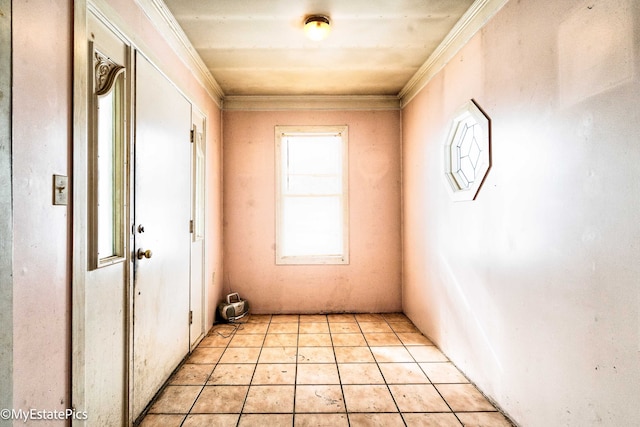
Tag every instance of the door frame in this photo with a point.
(79, 202)
(198, 123)
(6, 212)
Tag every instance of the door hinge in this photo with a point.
(190, 226)
(192, 134)
(191, 317)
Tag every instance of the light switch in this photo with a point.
(60, 190)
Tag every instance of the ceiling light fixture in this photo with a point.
(317, 27)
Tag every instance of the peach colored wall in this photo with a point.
(214, 268)
(371, 283)
(42, 134)
(41, 141)
(532, 289)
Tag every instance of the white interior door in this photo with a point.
(162, 212)
(198, 166)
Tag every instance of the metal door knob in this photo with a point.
(144, 254)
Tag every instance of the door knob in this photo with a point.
(144, 254)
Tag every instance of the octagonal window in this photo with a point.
(467, 154)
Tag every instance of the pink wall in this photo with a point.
(214, 267)
(41, 142)
(532, 289)
(371, 282)
(42, 135)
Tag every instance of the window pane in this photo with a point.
(313, 184)
(311, 155)
(109, 166)
(312, 226)
(106, 174)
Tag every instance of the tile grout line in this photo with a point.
(255, 368)
(295, 377)
(427, 376)
(431, 382)
(344, 400)
(215, 365)
(385, 379)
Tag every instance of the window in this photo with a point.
(467, 152)
(312, 197)
(108, 162)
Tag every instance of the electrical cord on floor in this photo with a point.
(225, 330)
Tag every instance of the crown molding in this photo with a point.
(311, 102)
(474, 19)
(161, 17)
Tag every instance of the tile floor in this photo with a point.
(320, 370)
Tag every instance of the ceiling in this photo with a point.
(258, 47)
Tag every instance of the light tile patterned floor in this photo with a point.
(320, 370)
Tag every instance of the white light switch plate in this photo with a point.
(60, 190)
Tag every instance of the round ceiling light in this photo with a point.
(317, 27)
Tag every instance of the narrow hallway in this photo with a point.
(320, 370)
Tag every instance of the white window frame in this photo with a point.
(108, 79)
(281, 132)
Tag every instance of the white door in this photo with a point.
(162, 212)
(100, 387)
(198, 159)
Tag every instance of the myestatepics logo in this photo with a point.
(40, 415)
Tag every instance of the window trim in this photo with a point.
(107, 77)
(280, 133)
